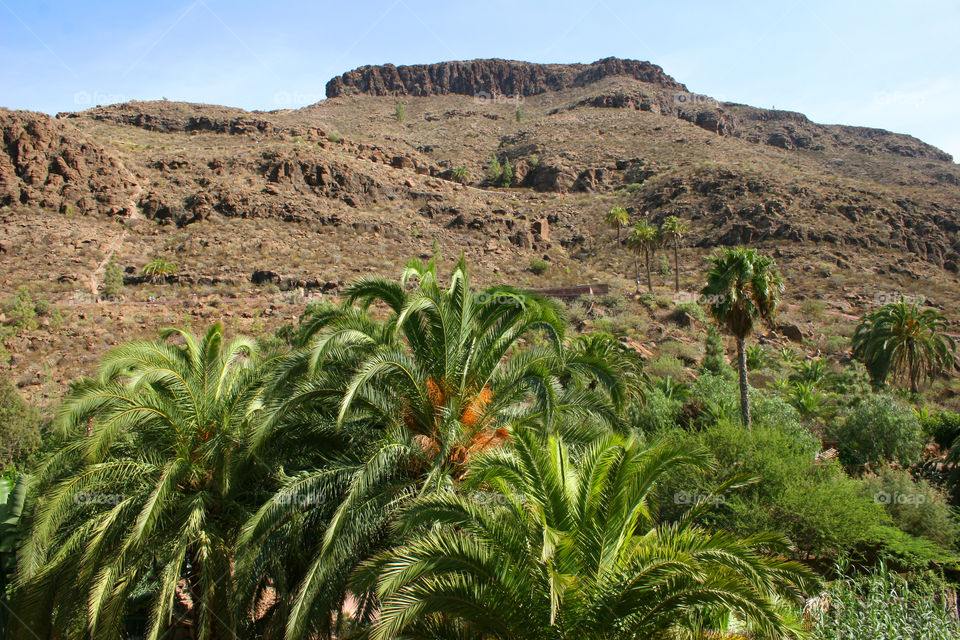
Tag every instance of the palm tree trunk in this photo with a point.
(618, 234)
(744, 382)
(676, 265)
(646, 254)
(636, 270)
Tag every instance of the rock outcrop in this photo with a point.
(485, 78)
(46, 164)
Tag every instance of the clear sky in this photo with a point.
(888, 64)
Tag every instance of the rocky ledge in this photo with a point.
(492, 77)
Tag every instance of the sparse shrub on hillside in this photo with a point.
(663, 266)
(813, 309)
(506, 174)
(23, 309)
(494, 170)
(665, 365)
(688, 308)
(334, 137)
(614, 302)
(518, 115)
(400, 113)
(112, 278)
(538, 266)
(461, 174)
(878, 430)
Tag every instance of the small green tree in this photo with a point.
(112, 278)
(401, 112)
(743, 288)
(518, 115)
(617, 218)
(506, 173)
(494, 170)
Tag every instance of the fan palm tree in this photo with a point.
(618, 218)
(149, 492)
(443, 377)
(644, 238)
(675, 228)
(546, 547)
(743, 288)
(905, 341)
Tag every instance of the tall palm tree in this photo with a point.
(149, 492)
(617, 218)
(903, 340)
(441, 377)
(743, 288)
(644, 238)
(547, 547)
(675, 228)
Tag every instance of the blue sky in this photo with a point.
(894, 65)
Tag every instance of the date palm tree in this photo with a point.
(438, 377)
(159, 269)
(618, 218)
(743, 288)
(644, 238)
(904, 341)
(542, 546)
(148, 493)
(675, 228)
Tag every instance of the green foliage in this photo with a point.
(715, 354)
(880, 605)
(20, 432)
(589, 563)
(942, 427)
(494, 170)
(436, 249)
(659, 411)
(461, 174)
(334, 137)
(506, 174)
(112, 278)
(538, 266)
(13, 493)
(758, 358)
(400, 113)
(159, 269)
(915, 506)
(518, 115)
(877, 430)
(23, 309)
(901, 341)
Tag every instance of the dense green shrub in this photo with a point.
(658, 413)
(19, 427)
(942, 427)
(112, 278)
(878, 429)
(715, 354)
(538, 266)
(915, 506)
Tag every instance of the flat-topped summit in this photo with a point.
(491, 76)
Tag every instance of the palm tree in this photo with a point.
(617, 218)
(675, 228)
(13, 490)
(644, 238)
(439, 379)
(742, 288)
(547, 547)
(159, 269)
(903, 340)
(149, 491)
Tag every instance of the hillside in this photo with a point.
(263, 210)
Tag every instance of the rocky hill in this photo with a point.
(259, 210)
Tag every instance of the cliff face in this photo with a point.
(503, 77)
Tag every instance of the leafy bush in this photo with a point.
(461, 174)
(715, 355)
(915, 506)
(19, 427)
(942, 427)
(538, 266)
(22, 308)
(690, 308)
(334, 137)
(880, 606)
(658, 413)
(813, 308)
(877, 430)
(506, 174)
(665, 365)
